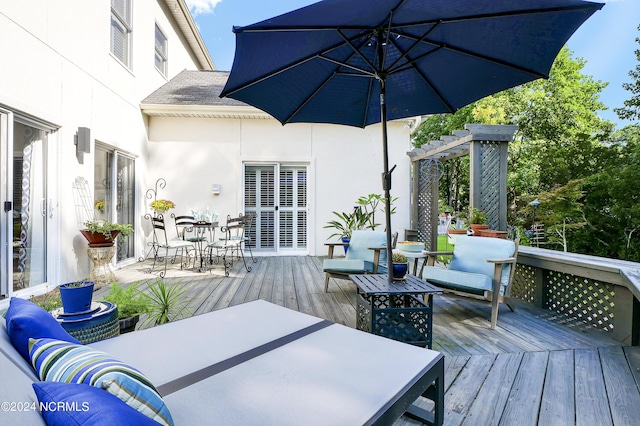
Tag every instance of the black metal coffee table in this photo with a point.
(401, 310)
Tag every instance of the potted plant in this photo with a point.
(349, 222)
(161, 206)
(76, 296)
(400, 265)
(101, 233)
(130, 302)
(477, 220)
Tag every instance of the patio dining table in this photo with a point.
(203, 233)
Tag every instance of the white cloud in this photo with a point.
(198, 7)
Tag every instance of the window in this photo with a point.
(121, 30)
(161, 51)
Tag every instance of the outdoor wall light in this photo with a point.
(215, 189)
(82, 140)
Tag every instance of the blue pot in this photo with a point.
(76, 299)
(400, 270)
(345, 240)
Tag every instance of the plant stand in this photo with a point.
(98, 324)
(101, 274)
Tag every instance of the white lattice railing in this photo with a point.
(602, 293)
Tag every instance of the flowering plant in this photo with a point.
(478, 217)
(100, 205)
(162, 206)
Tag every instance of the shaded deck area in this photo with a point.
(533, 369)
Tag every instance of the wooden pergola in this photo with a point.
(487, 146)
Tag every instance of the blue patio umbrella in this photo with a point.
(359, 62)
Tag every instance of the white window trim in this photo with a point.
(164, 55)
(128, 29)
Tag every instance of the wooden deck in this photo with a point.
(533, 369)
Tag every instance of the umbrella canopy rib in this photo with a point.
(463, 52)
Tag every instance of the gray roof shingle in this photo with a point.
(193, 88)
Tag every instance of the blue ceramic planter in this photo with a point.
(345, 240)
(400, 270)
(76, 299)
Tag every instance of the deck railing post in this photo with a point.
(540, 294)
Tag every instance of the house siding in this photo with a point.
(344, 163)
(57, 67)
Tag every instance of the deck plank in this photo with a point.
(592, 406)
(465, 388)
(492, 398)
(621, 387)
(558, 399)
(526, 393)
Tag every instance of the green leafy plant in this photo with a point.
(162, 206)
(48, 301)
(105, 228)
(166, 303)
(78, 284)
(477, 216)
(399, 258)
(362, 216)
(130, 301)
(370, 205)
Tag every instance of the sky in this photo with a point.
(606, 41)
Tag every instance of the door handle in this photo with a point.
(51, 207)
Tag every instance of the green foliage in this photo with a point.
(77, 284)
(103, 227)
(48, 301)
(612, 202)
(166, 303)
(399, 258)
(363, 216)
(477, 216)
(130, 301)
(631, 109)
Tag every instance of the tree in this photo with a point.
(631, 110)
(612, 202)
(560, 133)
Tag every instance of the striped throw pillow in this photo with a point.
(60, 361)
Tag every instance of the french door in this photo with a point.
(26, 207)
(114, 194)
(277, 195)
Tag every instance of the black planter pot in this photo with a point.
(128, 324)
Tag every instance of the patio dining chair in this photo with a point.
(161, 241)
(366, 254)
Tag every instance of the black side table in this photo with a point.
(395, 310)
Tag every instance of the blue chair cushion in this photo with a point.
(464, 281)
(470, 254)
(347, 266)
(27, 320)
(361, 243)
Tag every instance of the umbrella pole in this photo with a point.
(386, 178)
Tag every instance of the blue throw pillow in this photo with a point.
(64, 404)
(59, 361)
(26, 320)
